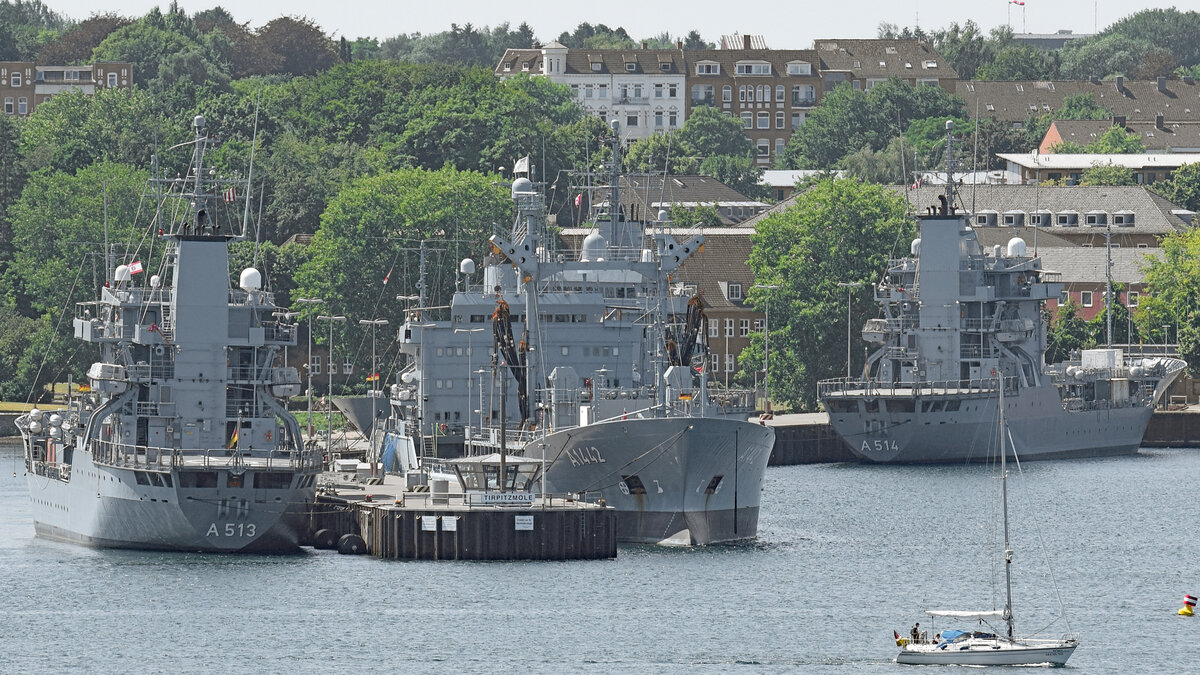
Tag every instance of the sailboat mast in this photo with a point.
(1004, 504)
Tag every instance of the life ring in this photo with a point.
(443, 428)
(268, 436)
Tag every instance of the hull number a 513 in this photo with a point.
(231, 530)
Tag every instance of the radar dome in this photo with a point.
(467, 266)
(121, 273)
(663, 216)
(251, 279)
(1016, 247)
(915, 248)
(198, 122)
(155, 281)
(593, 247)
(522, 185)
(55, 420)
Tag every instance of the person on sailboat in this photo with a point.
(916, 632)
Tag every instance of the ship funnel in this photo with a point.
(250, 280)
(467, 266)
(915, 248)
(1016, 247)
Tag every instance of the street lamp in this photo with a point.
(1166, 326)
(329, 400)
(767, 344)
(310, 302)
(469, 332)
(848, 285)
(407, 299)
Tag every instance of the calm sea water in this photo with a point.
(847, 554)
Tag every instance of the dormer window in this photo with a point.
(908, 64)
(708, 68)
(931, 64)
(596, 65)
(735, 291)
(753, 69)
(857, 64)
(1020, 87)
(665, 66)
(799, 68)
(507, 67)
(883, 64)
(525, 66)
(630, 67)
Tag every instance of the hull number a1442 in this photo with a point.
(584, 455)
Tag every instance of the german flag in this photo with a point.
(83, 389)
(233, 441)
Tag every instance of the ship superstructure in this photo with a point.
(589, 363)
(183, 442)
(955, 316)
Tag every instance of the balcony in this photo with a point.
(704, 100)
(632, 100)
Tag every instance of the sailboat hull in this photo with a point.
(986, 653)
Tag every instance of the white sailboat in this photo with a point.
(989, 647)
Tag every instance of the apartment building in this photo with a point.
(24, 85)
(866, 63)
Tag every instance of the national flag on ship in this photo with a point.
(1017, 2)
(387, 276)
(229, 195)
(83, 388)
(373, 378)
(578, 200)
(522, 165)
(135, 267)
(233, 441)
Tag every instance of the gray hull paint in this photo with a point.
(1041, 429)
(987, 657)
(676, 461)
(104, 507)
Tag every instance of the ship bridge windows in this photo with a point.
(842, 405)
(198, 479)
(272, 480)
(895, 405)
(478, 318)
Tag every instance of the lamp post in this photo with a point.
(310, 302)
(848, 285)
(469, 332)
(1166, 326)
(374, 376)
(406, 299)
(329, 401)
(767, 344)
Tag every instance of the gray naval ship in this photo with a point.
(958, 319)
(592, 373)
(182, 442)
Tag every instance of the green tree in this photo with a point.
(838, 230)
(1082, 107)
(1183, 189)
(710, 132)
(73, 130)
(144, 43)
(704, 215)
(1021, 62)
(1117, 141)
(1176, 31)
(1105, 55)
(1068, 333)
(965, 47)
(301, 46)
(12, 178)
(1173, 291)
(76, 44)
(376, 224)
(1107, 174)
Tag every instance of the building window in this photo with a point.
(729, 363)
(778, 147)
(596, 66)
(779, 93)
(112, 79)
(630, 67)
(803, 94)
(22, 105)
(575, 90)
(933, 64)
(1133, 298)
(727, 93)
(728, 328)
(764, 93)
(764, 120)
(71, 75)
(747, 118)
(665, 66)
(15, 80)
(716, 362)
(799, 69)
(673, 119)
(753, 69)
(672, 91)
(347, 368)
(764, 147)
(8, 105)
(525, 66)
(658, 119)
(758, 325)
(603, 91)
(631, 120)
(1085, 298)
(658, 91)
(779, 120)
(742, 94)
(797, 120)
(708, 68)
(589, 91)
(735, 291)
(315, 366)
(744, 328)
(702, 93)
(712, 328)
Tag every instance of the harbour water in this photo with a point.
(846, 554)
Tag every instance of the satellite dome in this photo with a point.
(251, 279)
(121, 273)
(521, 185)
(467, 266)
(593, 247)
(1016, 247)
(155, 281)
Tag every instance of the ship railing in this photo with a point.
(54, 470)
(238, 296)
(842, 387)
(138, 371)
(125, 455)
(978, 352)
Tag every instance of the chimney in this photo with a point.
(1120, 84)
(679, 44)
(645, 45)
(1158, 121)
(745, 42)
(1162, 83)
(1119, 121)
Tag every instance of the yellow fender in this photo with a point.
(904, 641)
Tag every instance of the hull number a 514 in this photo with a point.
(880, 445)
